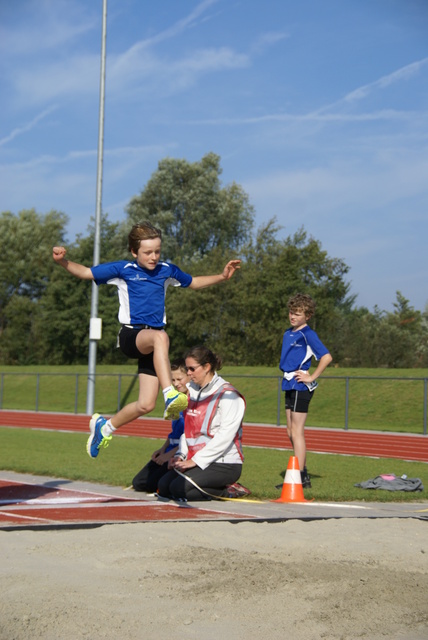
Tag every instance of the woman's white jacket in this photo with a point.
(225, 424)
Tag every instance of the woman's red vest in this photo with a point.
(198, 418)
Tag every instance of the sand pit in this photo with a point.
(333, 579)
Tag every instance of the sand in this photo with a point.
(334, 579)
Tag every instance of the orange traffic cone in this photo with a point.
(292, 490)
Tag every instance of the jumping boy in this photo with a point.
(299, 344)
(142, 285)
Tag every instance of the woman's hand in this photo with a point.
(183, 465)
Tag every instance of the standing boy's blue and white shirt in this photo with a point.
(298, 348)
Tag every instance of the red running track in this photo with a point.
(354, 442)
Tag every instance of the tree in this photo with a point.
(274, 271)
(44, 312)
(208, 316)
(423, 344)
(64, 309)
(25, 269)
(196, 214)
(245, 319)
(382, 339)
(399, 335)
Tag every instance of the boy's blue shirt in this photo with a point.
(176, 432)
(298, 347)
(141, 291)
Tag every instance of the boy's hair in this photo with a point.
(179, 364)
(142, 231)
(302, 302)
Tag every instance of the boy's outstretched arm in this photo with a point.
(199, 282)
(76, 269)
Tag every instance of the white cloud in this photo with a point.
(141, 69)
(267, 40)
(70, 77)
(360, 93)
(330, 193)
(181, 25)
(26, 127)
(43, 25)
(386, 115)
(49, 180)
(397, 76)
(128, 73)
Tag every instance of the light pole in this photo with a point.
(95, 322)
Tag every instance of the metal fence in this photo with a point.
(66, 393)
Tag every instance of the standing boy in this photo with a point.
(147, 479)
(299, 344)
(142, 285)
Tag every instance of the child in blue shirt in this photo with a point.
(147, 479)
(299, 344)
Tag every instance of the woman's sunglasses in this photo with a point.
(192, 369)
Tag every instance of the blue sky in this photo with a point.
(318, 108)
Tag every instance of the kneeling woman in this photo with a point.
(209, 456)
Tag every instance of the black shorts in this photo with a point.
(298, 401)
(127, 344)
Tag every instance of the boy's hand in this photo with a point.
(303, 376)
(76, 269)
(200, 282)
(161, 458)
(58, 253)
(230, 268)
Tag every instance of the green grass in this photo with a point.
(63, 455)
(386, 405)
